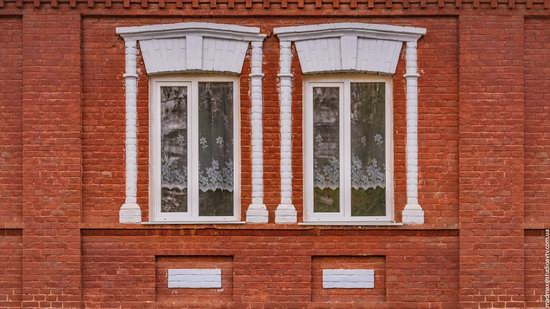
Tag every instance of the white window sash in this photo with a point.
(155, 194)
(344, 215)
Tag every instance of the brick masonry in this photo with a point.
(483, 156)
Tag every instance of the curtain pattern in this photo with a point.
(173, 105)
(368, 155)
(216, 148)
(326, 149)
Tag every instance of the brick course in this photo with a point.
(483, 145)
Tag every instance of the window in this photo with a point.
(194, 147)
(348, 149)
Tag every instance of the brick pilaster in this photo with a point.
(491, 161)
(51, 159)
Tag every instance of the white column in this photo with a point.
(412, 213)
(130, 212)
(257, 212)
(285, 212)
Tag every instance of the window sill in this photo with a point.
(191, 222)
(353, 223)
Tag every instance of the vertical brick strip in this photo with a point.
(491, 161)
(11, 149)
(51, 159)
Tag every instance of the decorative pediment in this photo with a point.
(192, 46)
(349, 46)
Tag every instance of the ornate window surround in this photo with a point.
(349, 47)
(184, 48)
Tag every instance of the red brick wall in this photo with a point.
(11, 156)
(10, 272)
(269, 268)
(51, 161)
(537, 120)
(491, 132)
(534, 268)
(483, 135)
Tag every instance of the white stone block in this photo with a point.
(348, 278)
(195, 278)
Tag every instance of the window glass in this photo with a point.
(326, 149)
(368, 157)
(215, 148)
(173, 106)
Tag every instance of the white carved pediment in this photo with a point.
(192, 46)
(348, 54)
(349, 46)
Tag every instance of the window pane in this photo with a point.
(368, 163)
(216, 149)
(326, 149)
(173, 106)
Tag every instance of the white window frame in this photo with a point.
(192, 214)
(343, 81)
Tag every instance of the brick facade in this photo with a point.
(484, 147)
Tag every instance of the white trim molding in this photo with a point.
(412, 213)
(185, 48)
(286, 212)
(257, 211)
(192, 46)
(353, 47)
(130, 211)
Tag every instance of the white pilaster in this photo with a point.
(257, 212)
(285, 212)
(130, 211)
(412, 213)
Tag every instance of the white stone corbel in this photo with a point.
(257, 212)
(130, 211)
(286, 212)
(413, 213)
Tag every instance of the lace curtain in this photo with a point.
(368, 154)
(216, 148)
(326, 149)
(368, 178)
(173, 105)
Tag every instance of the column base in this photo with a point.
(129, 213)
(413, 214)
(286, 213)
(257, 213)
